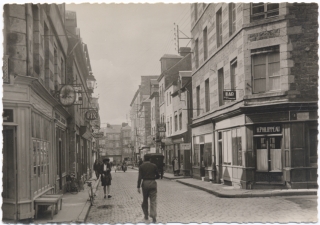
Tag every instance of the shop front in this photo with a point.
(264, 149)
(203, 153)
(31, 147)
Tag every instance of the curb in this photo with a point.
(250, 195)
(86, 208)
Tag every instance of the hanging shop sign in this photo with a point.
(268, 129)
(91, 114)
(97, 135)
(79, 99)
(161, 127)
(229, 95)
(67, 95)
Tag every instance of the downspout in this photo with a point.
(27, 42)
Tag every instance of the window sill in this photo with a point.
(264, 21)
(265, 95)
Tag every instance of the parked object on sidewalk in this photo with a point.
(48, 200)
(90, 192)
(72, 186)
(157, 159)
(148, 172)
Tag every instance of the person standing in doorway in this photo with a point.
(106, 177)
(148, 172)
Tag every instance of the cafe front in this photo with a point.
(261, 149)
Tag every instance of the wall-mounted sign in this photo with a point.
(7, 115)
(67, 95)
(185, 146)
(79, 99)
(268, 129)
(91, 114)
(97, 135)
(161, 127)
(229, 95)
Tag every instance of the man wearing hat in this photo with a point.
(105, 171)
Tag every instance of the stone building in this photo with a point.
(36, 127)
(254, 78)
(111, 143)
(127, 150)
(140, 114)
(171, 65)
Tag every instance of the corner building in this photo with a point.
(266, 55)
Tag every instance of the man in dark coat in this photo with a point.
(148, 172)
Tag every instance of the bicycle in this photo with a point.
(90, 192)
(72, 185)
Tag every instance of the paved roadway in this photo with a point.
(183, 204)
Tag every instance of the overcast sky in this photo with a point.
(126, 41)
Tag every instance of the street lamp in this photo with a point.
(91, 81)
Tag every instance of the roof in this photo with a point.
(170, 56)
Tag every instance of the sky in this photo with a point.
(125, 42)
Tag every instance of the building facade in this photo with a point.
(254, 78)
(36, 127)
(171, 65)
(127, 150)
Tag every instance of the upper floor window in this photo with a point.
(266, 69)
(180, 120)
(196, 52)
(207, 95)
(175, 122)
(221, 86)
(261, 10)
(205, 44)
(232, 18)
(219, 27)
(233, 74)
(198, 100)
(195, 11)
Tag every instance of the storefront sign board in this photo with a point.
(185, 146)
(229, 95)
(268, 129)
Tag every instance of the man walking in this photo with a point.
(148, 172)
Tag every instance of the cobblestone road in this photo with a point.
(180, 203)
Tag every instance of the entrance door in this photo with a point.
(269, 162)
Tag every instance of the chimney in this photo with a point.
(184, 51)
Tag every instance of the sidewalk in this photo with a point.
(224, 191)
(75, 207)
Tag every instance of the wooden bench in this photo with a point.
(49, 200)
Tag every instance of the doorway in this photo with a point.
(269, 159)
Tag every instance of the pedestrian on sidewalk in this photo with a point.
(148, 172)
(96, 168)
(140, 162)
(106, 177)
(176, 167)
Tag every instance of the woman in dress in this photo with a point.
(106, 177)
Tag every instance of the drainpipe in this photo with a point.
(27, 42)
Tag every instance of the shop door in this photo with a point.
(9, 165)
(269, 162)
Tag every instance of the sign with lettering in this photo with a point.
(7, 115)
(97, 135)
(185, 146)
(229, 95)
(78, 91)
(161, 127)
(91, 114)
(268, 129)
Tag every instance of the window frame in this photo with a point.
(219, 27)
(205, 43)
(196, 53)
(232, 18)
(221, 86)
(264, 13)
(207, 94)
(265, 51)
(198, 99)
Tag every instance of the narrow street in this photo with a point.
(180, 203)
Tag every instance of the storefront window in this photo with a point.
(207, 155)
(313, 134)
(40, 143)
(236, 147)
(232, 147)
(196, 154)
